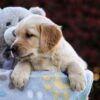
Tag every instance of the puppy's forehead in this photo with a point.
(34, 20)
(31, 23)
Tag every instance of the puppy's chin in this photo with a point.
(21, 55)
(24, 55)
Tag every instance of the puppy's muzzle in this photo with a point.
(15, 50)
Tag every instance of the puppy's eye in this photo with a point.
(29, 35)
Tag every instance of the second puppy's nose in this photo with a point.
(14, 49)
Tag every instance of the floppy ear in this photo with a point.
(49, 36)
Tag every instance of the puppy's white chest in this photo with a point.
(42, 63)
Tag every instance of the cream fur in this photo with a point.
(61, 58)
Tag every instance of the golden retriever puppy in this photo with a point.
(40, 45)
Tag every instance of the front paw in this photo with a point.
(77, 81)
(19, 78)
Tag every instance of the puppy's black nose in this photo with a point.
(14, 49)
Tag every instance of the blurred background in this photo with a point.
(80, 20)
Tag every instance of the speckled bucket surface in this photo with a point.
(43, 85)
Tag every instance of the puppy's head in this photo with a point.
(35, 34)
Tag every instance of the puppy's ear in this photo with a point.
(49, 36)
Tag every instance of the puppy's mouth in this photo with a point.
(27, 55)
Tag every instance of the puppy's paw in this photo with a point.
(19, 78)
(77, 81)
